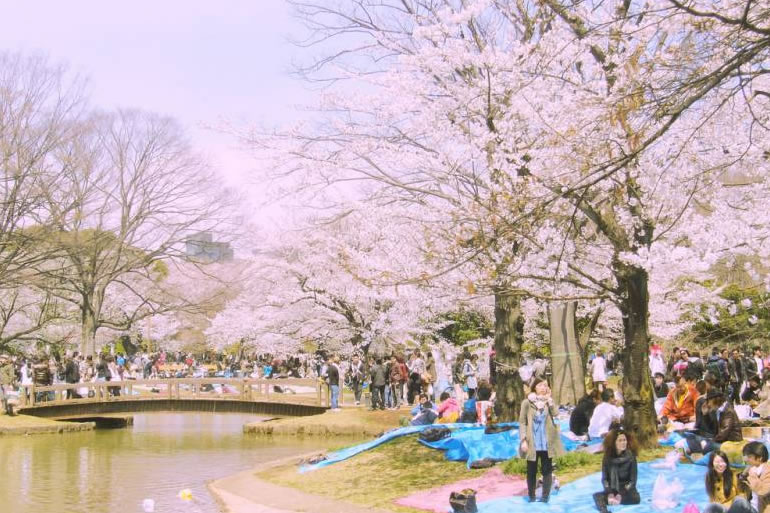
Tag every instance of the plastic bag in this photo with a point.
(690, 507)
(665, 494)
(672, 457)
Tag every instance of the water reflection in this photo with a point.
(114, 470)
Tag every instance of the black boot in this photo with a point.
(600, 499)
(547, 481)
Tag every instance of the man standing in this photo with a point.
(599, 371)
(396, 381)
(378, 385)
(7, 381)
(333, 379)
(72, 375)
(756, 364)
(735, 367)
(356, 374)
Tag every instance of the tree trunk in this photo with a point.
(87, 332)
(509, 329)
(637, 385)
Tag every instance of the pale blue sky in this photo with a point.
(195, 60)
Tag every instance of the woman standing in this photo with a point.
(539, 435)
(470, 369)
(721, 483)
(618, 471)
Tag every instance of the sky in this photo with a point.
(198, 61)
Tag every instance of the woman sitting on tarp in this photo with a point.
(448, 409)
(618, 470)
(540, 438)
(722, 484)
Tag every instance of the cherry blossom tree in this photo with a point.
(339, 284)
(583, 151)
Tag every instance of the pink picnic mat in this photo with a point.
(492, 485)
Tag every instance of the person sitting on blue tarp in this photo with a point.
(619, 470)
(424, 413)
(580, 417)
(728, 425)
(468, 414)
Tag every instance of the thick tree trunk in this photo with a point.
(87, 332)
(509, 329)
(637, 384)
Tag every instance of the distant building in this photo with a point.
(202, 247)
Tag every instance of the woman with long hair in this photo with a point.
(722, 485)
(618, 470)
(540, 438)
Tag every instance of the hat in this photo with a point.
(715, 393)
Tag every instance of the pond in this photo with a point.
(116, 470)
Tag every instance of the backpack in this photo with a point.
(714, 367)
(434, 434)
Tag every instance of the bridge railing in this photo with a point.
(238, 389)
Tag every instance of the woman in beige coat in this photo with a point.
(539, 435)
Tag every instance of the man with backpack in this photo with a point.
(717, 366)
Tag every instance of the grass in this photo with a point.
(376, 478)
(348, 422)
(574, 465)
(24, 421)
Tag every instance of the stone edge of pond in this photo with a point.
(311, 429)
(57, 428)
(231, 494)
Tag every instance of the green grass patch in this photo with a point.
(574, 465)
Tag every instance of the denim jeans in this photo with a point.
(335, 396)
(739, 505)
(388, 396)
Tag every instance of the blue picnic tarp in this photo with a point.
(349, 452)
(576, 497)
(468, 443)
(471, 444)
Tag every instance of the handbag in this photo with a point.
(463, 501)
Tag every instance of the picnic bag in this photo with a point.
(463, 501)
(434, 434)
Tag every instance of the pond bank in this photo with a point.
(29, 425)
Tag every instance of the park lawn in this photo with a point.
(347, 422)
(25, 421)
(376, 478)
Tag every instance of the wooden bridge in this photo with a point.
(294, 397)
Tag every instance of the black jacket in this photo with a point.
(705, 425)
(333, 375)
(626, 472)
(581, 416)
(729, 426)
(662, 391)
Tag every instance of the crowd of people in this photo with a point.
(695, 397)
